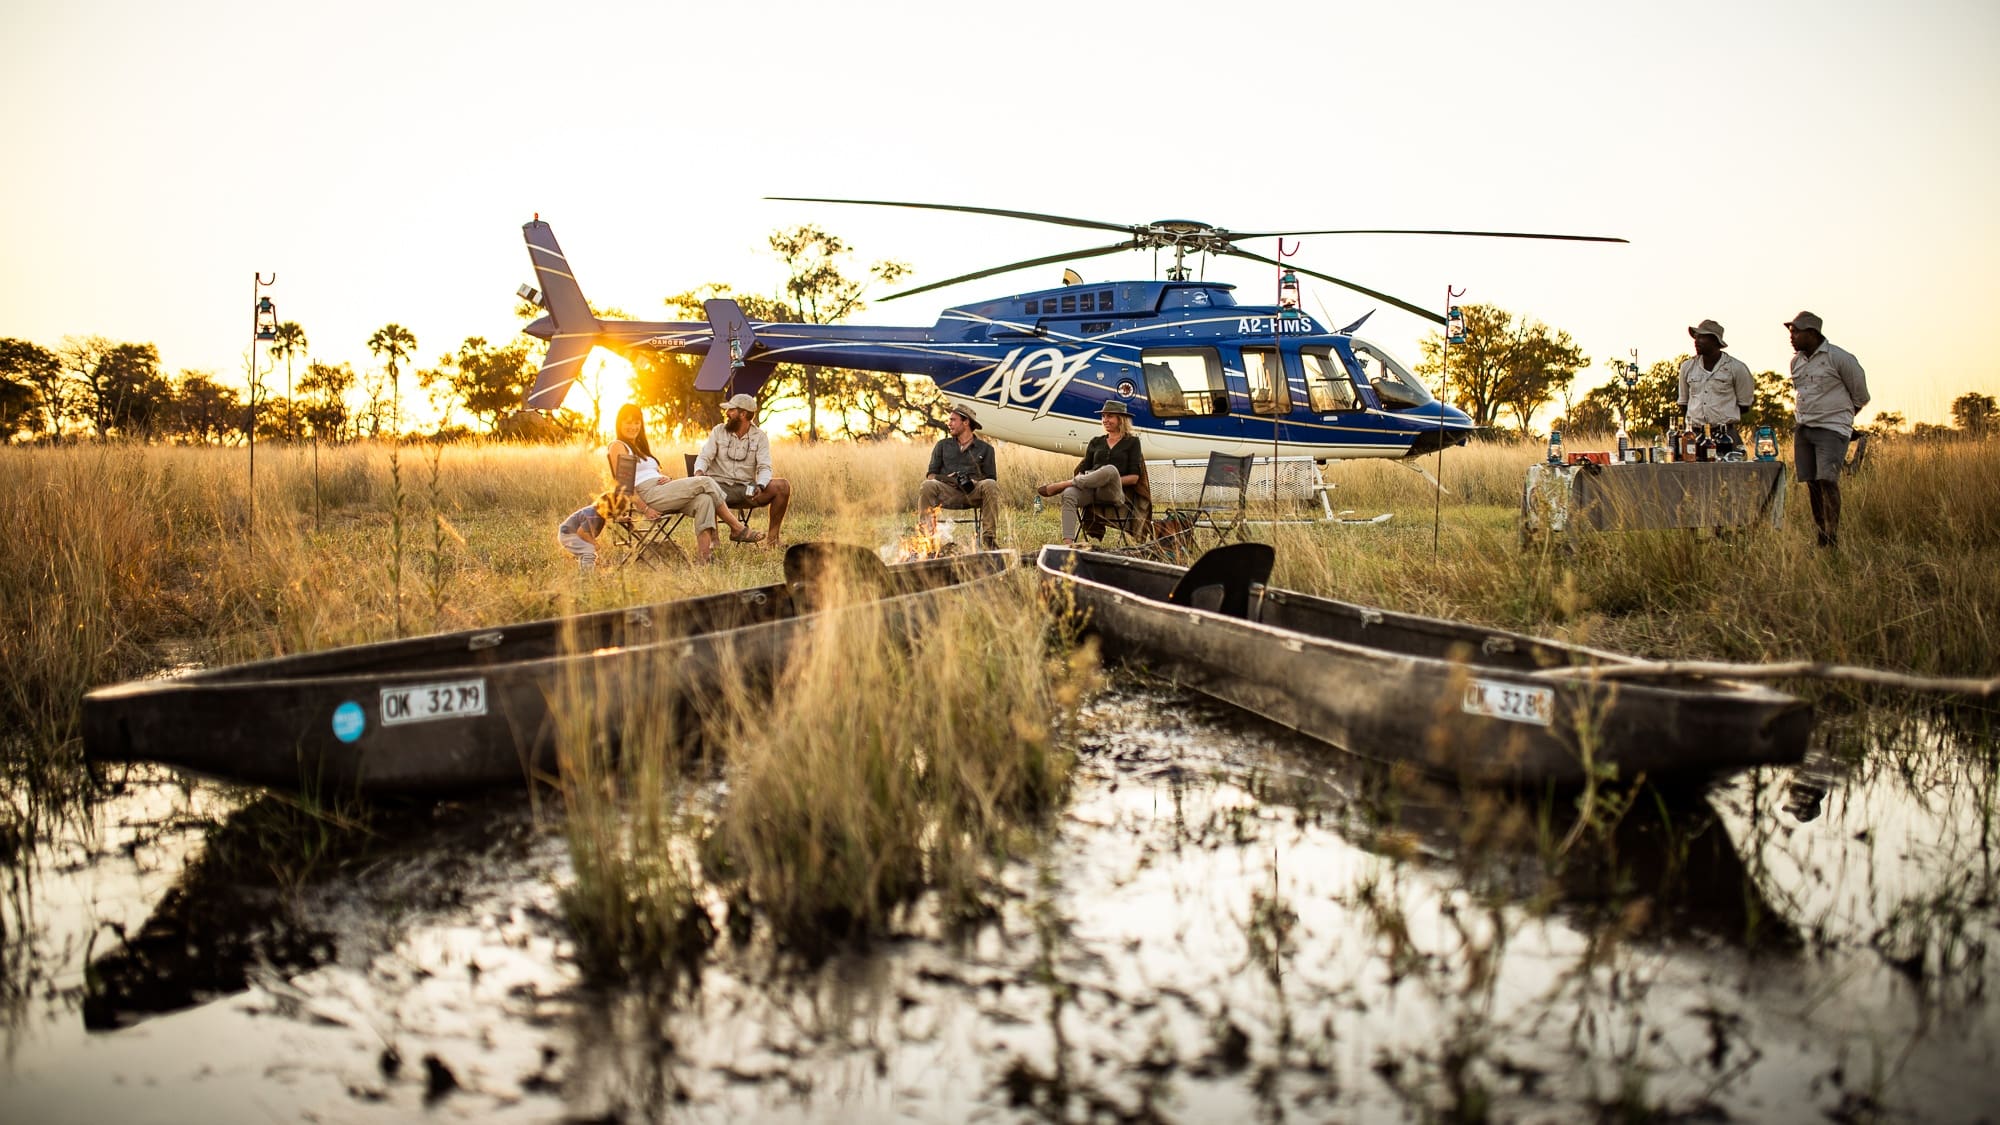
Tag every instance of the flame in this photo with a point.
(930, 540)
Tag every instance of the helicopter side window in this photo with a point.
(1185, 382)
(1329, 389)
(1265, 376)
(1393, 383)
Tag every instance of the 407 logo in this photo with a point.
(1033, 377)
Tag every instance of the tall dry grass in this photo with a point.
(886, 766)
(1910, 587)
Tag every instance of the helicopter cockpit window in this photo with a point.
(1269, 393)
(1184, 382)
(1328, 386)
(1393, 383)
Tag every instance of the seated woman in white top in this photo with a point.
(636, 473)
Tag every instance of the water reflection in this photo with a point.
(1229, 921)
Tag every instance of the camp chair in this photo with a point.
(1131, 521)
(647, 541)
(957, 515)
(1224, 499)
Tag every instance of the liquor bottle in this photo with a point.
(1725, 444)
(1767, 444)
(1555, 447)
(1689, 451)
(1704, 445)
(1624, 444)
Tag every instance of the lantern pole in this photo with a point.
(1454, 333)
(263, 329)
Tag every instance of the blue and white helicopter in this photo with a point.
(1199, 371)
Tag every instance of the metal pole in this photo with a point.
(1444, 384)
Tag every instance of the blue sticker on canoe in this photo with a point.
(349, 720)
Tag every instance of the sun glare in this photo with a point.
(608, 379)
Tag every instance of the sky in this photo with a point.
(380, 159)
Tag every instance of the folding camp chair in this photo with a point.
(648, 541)
(1219, 508)
(1130, 522)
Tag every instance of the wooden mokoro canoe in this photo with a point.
(472, 709)
(1460, 701)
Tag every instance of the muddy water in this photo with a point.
(1227, 923)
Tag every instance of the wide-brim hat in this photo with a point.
(965, 412)
(1113, 406)
(1709, 328)
(1810, 322)
(746, 403)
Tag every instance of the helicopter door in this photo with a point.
(1329, 388)
(1264, 379)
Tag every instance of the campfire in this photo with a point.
(922, 544)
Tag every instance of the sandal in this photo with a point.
(747, 535)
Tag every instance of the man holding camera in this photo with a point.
(961, 475)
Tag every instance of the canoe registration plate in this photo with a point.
(421, 703)
(1512, 702)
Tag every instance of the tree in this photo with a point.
(1975, 414)
(394, 344)
(122, 386)
(1502, 364)
(324, 392)
(821, 294)
(38, 375)
(289, 340)
(204, 410)
(488, 381)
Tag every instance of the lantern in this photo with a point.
(1288, 295)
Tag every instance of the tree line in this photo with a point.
(93, 386)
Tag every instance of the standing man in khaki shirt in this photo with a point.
(1716, 387)
(1831, 389)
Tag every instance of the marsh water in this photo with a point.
(1227, 922)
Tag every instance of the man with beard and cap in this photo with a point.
(1831, 388)
(962, 475)
(1715, 387)
(737, 455)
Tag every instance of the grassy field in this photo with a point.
(121, 560)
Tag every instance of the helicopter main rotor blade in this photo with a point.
(1066, 256)
(1404, 305)
(1035, 216)
(1456, 233)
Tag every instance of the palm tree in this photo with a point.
(395, 343)
(289, 340)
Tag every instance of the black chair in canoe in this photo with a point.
(1221, 580)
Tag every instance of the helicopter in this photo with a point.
(1199, 370)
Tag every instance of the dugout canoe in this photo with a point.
(1462, 702)
(461, 711)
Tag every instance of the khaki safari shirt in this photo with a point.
(1718, 397)
(743, 458)
(1831, 388)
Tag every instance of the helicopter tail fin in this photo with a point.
(571, 328)
(727, 366)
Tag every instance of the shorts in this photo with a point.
(1818, 453)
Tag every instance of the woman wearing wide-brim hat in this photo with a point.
(1112, 463)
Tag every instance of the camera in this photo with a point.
(964, 481)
